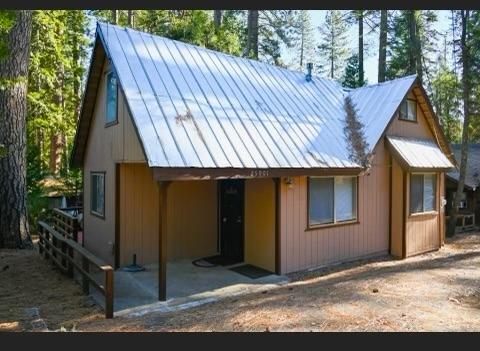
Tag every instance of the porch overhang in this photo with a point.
(418, 155)
(165, 174)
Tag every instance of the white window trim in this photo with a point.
(335, 222)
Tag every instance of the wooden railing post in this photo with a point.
(109, 293)
(85, 282)
(40, 239)
(47, 244)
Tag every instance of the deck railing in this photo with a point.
(65, 221)
(69, 256)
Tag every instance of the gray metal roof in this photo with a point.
(472, 178)
(419, 153)
(195, 107)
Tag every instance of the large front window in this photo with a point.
(332, 200)
(423, 192)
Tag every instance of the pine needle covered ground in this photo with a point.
(438, 291)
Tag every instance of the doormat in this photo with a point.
(220, 260)
(250, 271)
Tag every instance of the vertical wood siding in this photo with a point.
(260, 223)
(105, 147)
(302, 249)
(397, 210)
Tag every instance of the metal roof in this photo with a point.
(472, 178)
(419, 153)
(194, 107)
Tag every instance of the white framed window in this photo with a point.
(332, 200)
(111, 100)
(408, 110)
(423, 192)
(97, 193)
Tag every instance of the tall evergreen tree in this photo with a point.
(382, 46)
(333, 48)
(304, 44)
(352, 78)
(15, 32)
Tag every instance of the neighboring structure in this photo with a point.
(469, 210)
(188, 152)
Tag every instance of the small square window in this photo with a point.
(111, 101)
(408, 110)
(423, 193)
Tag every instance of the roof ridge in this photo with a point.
(387, 82)
(224, 53)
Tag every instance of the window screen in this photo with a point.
(111, 113)
(97, 201)
(408, 110)
(321, 200)
(345, 198)
(332, 200)
(423, 190)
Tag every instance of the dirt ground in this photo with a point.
(438, 291)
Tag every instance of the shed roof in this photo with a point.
(472, 179)
(197, 108)
(419, 153)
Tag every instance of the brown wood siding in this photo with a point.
(192, 219)
(303, 248)
(105, 147)
(397, 210)
(422, 230)
(139, 220)
(419, 129)
(260, 223)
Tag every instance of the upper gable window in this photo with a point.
(112, 91)
(408, 110)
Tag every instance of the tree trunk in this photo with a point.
(252, 36)
(382, 50)
(418, 47)
(465, 58)
(130, 18)
(412, 42)
(114, 16)
(302, 45)
(217, 17)
(14, 231)
(361, 78)
(57, 147)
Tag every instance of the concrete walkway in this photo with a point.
(187, 286)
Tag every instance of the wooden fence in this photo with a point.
(65, 221)
(63, 251)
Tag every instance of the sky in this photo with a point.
(370, 41)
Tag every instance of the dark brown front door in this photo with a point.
(231, 219)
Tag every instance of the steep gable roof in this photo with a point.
(198, 108)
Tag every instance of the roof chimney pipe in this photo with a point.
(309, 72)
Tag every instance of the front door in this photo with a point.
(231, 219)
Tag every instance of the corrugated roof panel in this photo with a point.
(195, 107)
(419, 153)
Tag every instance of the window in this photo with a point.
(423, 193)
(111, 112)
(408, 110)
(332, 200)
(97, 194)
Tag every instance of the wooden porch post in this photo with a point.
(278, 251)
(162, 241)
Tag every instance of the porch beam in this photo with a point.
(162, 240)
(185, 173)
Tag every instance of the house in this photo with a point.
(188, 152)
(469, 209)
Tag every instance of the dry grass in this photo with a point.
(436, 291)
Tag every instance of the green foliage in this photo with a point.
(7, 20)
(333, 46)
(304, 42)
(446, 97)
(351, 77)
(400, 46)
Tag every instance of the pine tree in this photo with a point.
(15, 32)
(304, 44)
(352, 78)
(333, 44)
(382, 46)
